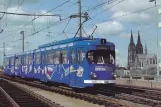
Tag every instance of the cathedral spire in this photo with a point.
(139, 47)
(131, 52)
(139, 41)
(131, 40)
(146, 52)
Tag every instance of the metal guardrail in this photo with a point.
(137, 77)
(9, 98)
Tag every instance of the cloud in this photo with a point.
(129, 6)
(133, 18)
(16, 21)
(8, 48)
(19, 20)
(132, 5)
(111, 28)
(125, 35)
(16, 2)
(160, 43)
(128, 34)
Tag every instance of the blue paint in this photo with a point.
(72, 74)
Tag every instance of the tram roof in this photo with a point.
(64, 41)
(70, 40)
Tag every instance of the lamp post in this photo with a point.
(157, 39)
(159, 27)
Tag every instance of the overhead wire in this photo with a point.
(99, 5)
(14, 14)
(33, 25)
(3, 15)
(117, 17)
(122, 15)
(25, 14)
(65, 28)
(5, 9)
(127, 14)
(49, 33)
(35, 19)
(107, 8)
(104, 11)
(45, 29)
(40, 31)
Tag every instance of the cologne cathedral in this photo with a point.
(138, 58)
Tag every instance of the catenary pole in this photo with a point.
(80, 17)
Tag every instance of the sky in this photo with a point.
(114, 20)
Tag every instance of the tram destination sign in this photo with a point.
(102, 47)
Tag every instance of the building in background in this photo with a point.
(138, 57)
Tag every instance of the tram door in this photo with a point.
(80, 66)
(12, 65)
(17, 65)
(43, 66)
(73, 66)
(37, 65)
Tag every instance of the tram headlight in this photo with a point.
(93, 75)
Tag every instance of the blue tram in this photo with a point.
(77, 62)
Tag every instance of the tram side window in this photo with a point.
(6, 62)
(73, 57)
(50, 57)
(90, 57)
(37, 58)
(18, 59)
(43, 58)
(23, 60)
(65, 57)
(54, 58)
(27, 59)
(57, 57)
(16, 62)
(30, 59)
(12, 61)
(80, 56)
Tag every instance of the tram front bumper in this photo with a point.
(99, 81)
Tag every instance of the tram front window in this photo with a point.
(101, 57)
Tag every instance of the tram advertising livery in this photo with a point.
(78, 62)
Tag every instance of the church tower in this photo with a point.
(139, 47)
(131, 52)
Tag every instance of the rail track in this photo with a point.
(132, 94)
(6, 100)
(135, 94)
(107, 102)
(20, 97)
